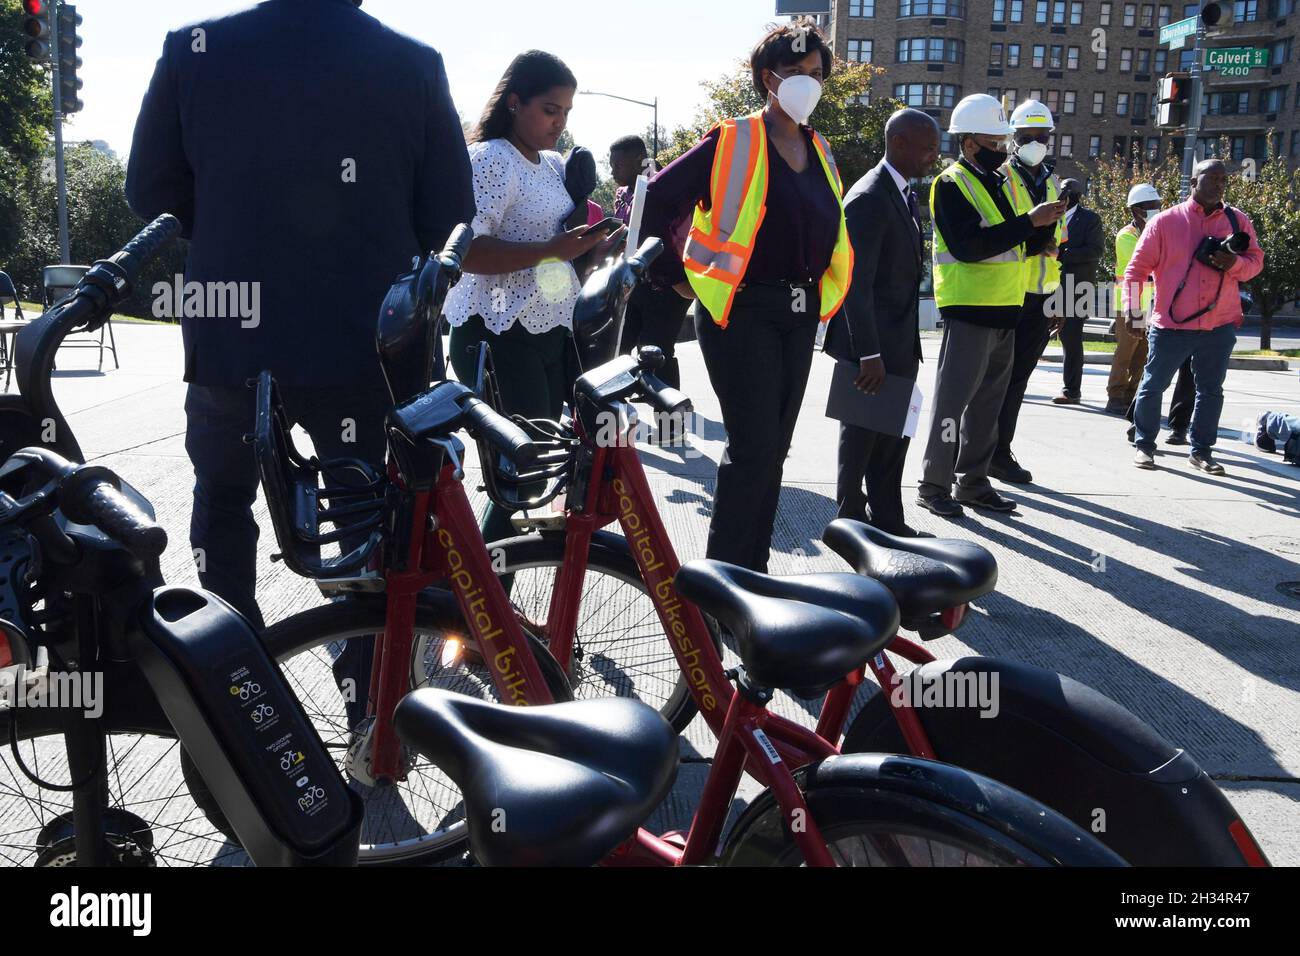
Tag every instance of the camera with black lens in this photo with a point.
(1236, 243)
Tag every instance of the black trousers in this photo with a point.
(654, 317)
(758, 366)
(878, 459)
(1031, 341)
(1072, 360)
(1183, 402)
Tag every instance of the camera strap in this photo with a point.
(1232, 221)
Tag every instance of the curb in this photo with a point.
(1258, 363)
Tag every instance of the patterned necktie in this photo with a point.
(914, 208)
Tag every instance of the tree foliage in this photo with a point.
(26, 94)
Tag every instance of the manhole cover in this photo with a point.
(1279, 543)
(1290, 588)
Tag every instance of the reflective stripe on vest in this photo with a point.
(721, 240)
(1043, 272)
(996, 281)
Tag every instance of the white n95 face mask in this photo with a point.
(1031, 154)
(798, 96)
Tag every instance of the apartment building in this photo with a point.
(1095, 63)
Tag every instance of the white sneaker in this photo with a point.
(1144, 459)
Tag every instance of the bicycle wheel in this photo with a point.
(421, 817)
(880, 810)
(620, 648)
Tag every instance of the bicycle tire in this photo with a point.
(328, 624)
(881, 809)
(609, 556)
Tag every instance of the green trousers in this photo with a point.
(535, 376)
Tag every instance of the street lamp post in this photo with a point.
(653, 105)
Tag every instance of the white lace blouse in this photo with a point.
(518, 201)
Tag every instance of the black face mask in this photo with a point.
(989, 159)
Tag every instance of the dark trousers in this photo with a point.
(758, 366)
(878, 458)
(654, 317)
(534, 374)
(1031, 340)
(1183, 402)
(342, 423)
(1072, 360)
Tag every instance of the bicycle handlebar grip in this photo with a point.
(663, 397)
(501, 433)
(91, 496)
(457, 247)
(648, 253)
(146, 244)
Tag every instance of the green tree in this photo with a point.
(1112, 177)
(854, 128)
(26, 95)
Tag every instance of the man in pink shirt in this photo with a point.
(1197, 308)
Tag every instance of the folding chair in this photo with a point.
(9, 327)
(58, 282)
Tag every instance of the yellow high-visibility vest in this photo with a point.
(1042, 272)
(996, 281)
(1126, 241)
(721, 240)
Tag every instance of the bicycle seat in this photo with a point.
(926, 575)
(556, 785)
(804, 632)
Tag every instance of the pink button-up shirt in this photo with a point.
(1166, 247)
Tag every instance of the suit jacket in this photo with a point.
(1083, 246)
(881, 311)
(308, 148)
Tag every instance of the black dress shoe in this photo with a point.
(1117, 408)
(1006, 468)
(905, 532)
(943, 505)
(1263, 440)
(1177, 437)
(989, 500)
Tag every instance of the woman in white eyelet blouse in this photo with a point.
(520, 287)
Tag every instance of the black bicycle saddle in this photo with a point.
(555, 785)
(926, 575)
(804, 632)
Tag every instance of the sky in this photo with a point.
(637, 50)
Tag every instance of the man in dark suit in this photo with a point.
(878, 328)
(309, 152)
(1079, 255)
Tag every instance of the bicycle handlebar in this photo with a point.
(145, 246)
(501, 433)
(457, 247)
(93, 495)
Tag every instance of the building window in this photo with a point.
(1190, 10)
(860, 51)
(1017, 11)
(1040, 11)
(930, 8)
(1144, 61)
(1054, 58)
(1161, 59)
(1072, 58)
(862, 9)
(1098, 103)
(1125, 60)
(1243, 10)
(1040, 52)
(1148, 16)
(1185, 58)
(1036, 95)
(1067, 145)
(1101, 61)
(1058, 12)
(1105, 14)
(1130, 14)
(933, 95)
(1279, 9)
(1094, 147)
(932, 49)
(999, 11)
(1295, 108)
(1139, 106)
(1162, 17)
(1272, 99)
(1013, 54)
(1153, 149)
(995, 56)
(1054, 101)
(1070, 97)
(1295, 142)
(1120, 145)
(947, 144)
(1121, 104)
(1076, 13)
(1279, 52)
(1238, 148)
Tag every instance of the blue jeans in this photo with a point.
(1280, 427)
(1169, 348)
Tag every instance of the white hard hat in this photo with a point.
(979, 113)
(1143, 192)
(1032, 114)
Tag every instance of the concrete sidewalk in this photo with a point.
(1160, 589)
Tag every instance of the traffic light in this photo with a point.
(1174, 94)
(36, 27)
(1216, 16)
(69, 62)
